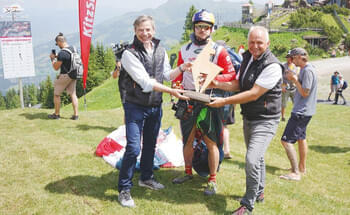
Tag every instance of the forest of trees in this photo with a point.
(101, 63)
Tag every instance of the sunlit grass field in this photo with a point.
(49, 167)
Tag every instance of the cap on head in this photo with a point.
(203, 16)
(298, 51)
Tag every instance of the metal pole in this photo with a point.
(19, 79)
(21, 92)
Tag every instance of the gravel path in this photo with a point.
(325, 68)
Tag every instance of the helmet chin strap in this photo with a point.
(198, 41)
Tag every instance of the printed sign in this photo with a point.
(16, 49)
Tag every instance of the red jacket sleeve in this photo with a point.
(224, 61)
(179, 62)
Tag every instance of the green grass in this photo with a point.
(329, 20)
(345, 22)
(277, 23)
(49, 167)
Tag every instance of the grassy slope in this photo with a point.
(48, 167)
(345, 22)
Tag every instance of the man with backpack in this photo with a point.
(63, 61)
(198, 121)
(342, 86)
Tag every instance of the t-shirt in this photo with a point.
(308, 80)
(65, 57)
(335, 80)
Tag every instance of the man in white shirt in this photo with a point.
(259, 85)
(144, 67)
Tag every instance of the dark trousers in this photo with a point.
(339, 93)
(139, 121)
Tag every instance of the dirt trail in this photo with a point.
(325, 68)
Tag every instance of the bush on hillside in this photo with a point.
(330, 8)
(314, 50)
(347, 41)
(307, 18)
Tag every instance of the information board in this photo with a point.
(16, 49)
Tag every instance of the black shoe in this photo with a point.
(283, 119)
(53, 116)
(74, 117)
(335, 103)
(260, 198)
(344, 103)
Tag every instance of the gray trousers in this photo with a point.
(257, 135)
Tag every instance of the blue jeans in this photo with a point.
(145, 121)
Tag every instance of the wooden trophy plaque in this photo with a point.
(203, 65)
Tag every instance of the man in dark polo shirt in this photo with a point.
(63, 82)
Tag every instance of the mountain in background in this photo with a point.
(169, 18)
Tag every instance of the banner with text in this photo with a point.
(86, 22)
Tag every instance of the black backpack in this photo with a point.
(345, 85)
(76, 68)
(200, 162)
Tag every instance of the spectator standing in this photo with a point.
(303, 110)
(342, 86)
(63, 82)
(334, 84)
(288, 87)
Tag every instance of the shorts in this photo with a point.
(296, 128)
(64, 82)
(334, 88)
(285, 95)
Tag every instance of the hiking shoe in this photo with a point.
(260, 198)
(151, 184)
(182, 179)
(74, 117)
(210, 189)
(125, 199)
(53, 116)
(242, 211)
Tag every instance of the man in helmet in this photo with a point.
(209, 126)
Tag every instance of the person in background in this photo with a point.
(304, 108)
(259, 85)
(342, 86)
(63, 82)
(144, 66)
(288, 88)
(334, 84)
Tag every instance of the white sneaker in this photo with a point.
(151, 184)
(125, 199)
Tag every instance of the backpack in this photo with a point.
(200, 162)
(345, 85)
(235, 58)
(76, 68)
